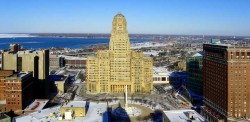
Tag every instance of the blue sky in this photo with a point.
(209, 17)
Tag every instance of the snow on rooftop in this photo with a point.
(38, 104)
(72, 57)
(95, 113)
(161, 70)
(75, 104)
(184, 116)
(38, 116)
(21, 74)
(78, 81)
(227, 45)
(147, 44)
(152, 52)
(198, 54)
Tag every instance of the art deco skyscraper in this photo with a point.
(119, 66)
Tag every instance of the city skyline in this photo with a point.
(225, 17)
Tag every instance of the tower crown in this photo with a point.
(119, 15)
(119, 23)
(119, 37)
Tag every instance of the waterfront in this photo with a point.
(47, 42)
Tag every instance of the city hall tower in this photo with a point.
(119, 66)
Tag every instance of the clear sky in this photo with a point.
(208, 17)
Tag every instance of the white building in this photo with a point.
(161, 75)
(97, 112)
(182, 116)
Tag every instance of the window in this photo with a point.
(163, 79)
(242, 55)
(237, 55)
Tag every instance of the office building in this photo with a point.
(34, 61)
(16, 90)
(194, 71)
(54, 62)
(119, 66)
(75, 62)
(226, 82)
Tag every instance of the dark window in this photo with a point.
(242, 55)
(163, 78)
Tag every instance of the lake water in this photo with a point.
(47, 42)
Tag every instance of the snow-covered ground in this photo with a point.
(148, 44)
(14, 35)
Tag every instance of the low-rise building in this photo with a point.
(161, 75)
(177, 79)
(182, 116)
(73, 109)
(59, 83)
(76, 62)
(36, 105)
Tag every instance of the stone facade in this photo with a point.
(119, 66)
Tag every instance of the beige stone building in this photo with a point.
(73, 109)
(30, 61)
(119, 66)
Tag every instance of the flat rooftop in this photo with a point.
(41, 115)
(38, 104)
(161, 70)
(72, 57)
(15, 75)
(97, 112)
(75, 104)
(184, 116)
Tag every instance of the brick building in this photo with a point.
(16, 90)
(226, 82)
(30, 61)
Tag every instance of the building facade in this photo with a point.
(16, 89)
(161, 78)
(54, 62)
(194, 71)
(119, 66)
(75, 62)
(30, 61)
(73, 109)
(15, 47)
(226, 82)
